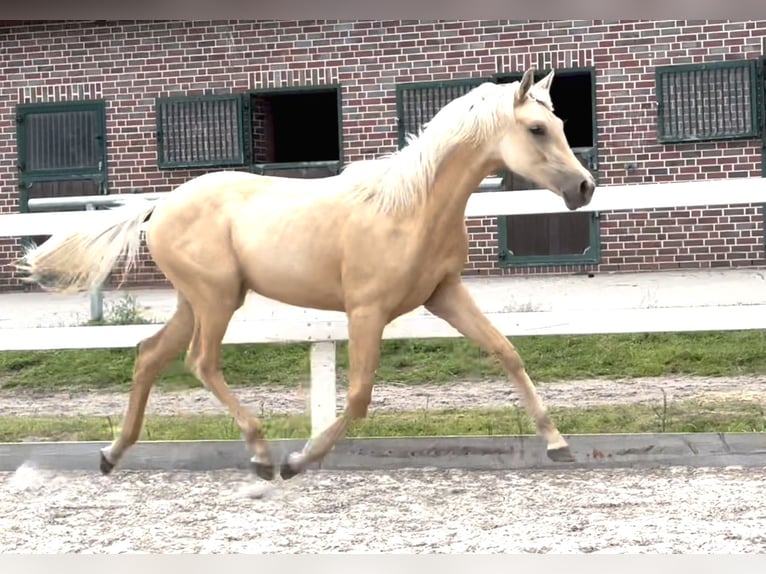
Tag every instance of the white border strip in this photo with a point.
(473, 453)
(411, 326)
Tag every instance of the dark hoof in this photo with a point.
(105, 466)
(286, 471)
(264, 471)
(561, 454)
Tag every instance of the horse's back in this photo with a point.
(218, 202)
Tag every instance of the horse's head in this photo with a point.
(533, 145)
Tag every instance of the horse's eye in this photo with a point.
(537, 130)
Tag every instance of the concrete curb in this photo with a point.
(472, 453)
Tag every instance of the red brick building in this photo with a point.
(110, 107)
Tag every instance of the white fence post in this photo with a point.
(323, 393)
(96, 293)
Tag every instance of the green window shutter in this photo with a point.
(417, 103)
(200, 131)
(705, 102)
(61, 149)
(56, 140)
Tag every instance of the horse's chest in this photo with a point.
(448, 250)
(415, 285)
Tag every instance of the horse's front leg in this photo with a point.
(452, 302)
(365, 329)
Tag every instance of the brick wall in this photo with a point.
(130, 63)
(261, 151)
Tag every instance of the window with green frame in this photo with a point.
(708, 101)
(293, 131)
(557, 238)
(200, 131)
(61, 149)
(762, 114)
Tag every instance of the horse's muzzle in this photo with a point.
(579, 196)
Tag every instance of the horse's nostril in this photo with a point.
(585, 187)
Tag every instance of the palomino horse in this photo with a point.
(376, 241)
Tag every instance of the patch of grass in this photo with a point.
(124, 311)
(687, 416)
(547, 358)
(112, 369)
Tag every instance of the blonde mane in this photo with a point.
(399, 182)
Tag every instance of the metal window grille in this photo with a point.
(707, 102)
(61, 138)
(203, 131)
(418, 103)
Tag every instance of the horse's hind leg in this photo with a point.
(212, 315)
(154, 354)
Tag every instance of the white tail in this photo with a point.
(80, 260)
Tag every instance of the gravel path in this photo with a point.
(667, 510)
(271, 400)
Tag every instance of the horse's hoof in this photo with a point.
(261, 470)
(287, 470)
(561, 454)
(105, 466)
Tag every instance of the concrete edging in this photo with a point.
(470, 453)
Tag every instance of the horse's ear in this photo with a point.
(526, 82)
(546, 82)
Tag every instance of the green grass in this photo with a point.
(687, 416)
(416, 361)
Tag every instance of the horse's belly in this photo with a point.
(304, 287)
(292, 266)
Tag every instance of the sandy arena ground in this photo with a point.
(670, 510)
(409, 511)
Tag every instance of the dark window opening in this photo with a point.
(296, 127)
(572, 96)
(556, 237)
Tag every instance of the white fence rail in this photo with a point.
(733, 191)
(323, 334)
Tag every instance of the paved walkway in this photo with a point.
(533, 293)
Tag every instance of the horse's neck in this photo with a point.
(457, 177)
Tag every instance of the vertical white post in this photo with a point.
(323, 411)
(96, 294)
